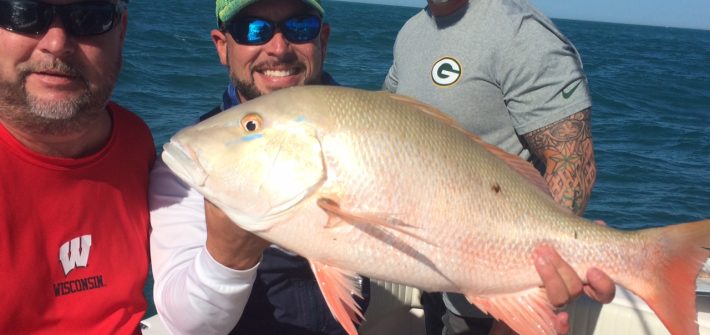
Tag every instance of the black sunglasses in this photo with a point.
(79, 19)
(256, 31)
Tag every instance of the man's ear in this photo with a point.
(219, 38)
(124, 26)
(324, 35)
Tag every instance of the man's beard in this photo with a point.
(248, 90)
(33, 115)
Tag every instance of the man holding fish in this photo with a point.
(385, 186)
(508, 75)
(205, 265)
(204, 270)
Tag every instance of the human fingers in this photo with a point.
(229, 244)
(561, 323)
(601, 287)
(558, 277)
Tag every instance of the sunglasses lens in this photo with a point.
(301, 29)
(27, 17)
(89, 18)
(251, 31)
(79, 19)
(256, 31)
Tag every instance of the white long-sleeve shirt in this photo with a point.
(193, 293)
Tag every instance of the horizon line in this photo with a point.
(376, 2)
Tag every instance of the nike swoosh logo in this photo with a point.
(569, 93)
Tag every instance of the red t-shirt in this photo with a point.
(74, 236)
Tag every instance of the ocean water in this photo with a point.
(650, 89)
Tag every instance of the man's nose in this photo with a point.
(57, 40)
(278, 45)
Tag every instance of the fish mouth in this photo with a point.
(183, 161)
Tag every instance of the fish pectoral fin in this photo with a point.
(332, 208)
(338, 287)
(339, 217)
(528, 312)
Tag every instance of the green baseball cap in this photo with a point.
(227, 9)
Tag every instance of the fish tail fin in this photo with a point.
(679, 254)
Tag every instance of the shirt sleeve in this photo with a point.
(390, 83)
(193, 293)
(541, 74)
(391, 80)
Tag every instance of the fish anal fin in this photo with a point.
(523, 167)
(527, 313)
(338, 287)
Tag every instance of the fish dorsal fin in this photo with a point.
(338, 287)
(523, 167)
(528, 312)
(428, 109)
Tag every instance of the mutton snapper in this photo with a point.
(384, 186)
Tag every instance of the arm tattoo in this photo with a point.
(566, 149)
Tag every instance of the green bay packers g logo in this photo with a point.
(446, 71)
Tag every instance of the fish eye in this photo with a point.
(252, 123)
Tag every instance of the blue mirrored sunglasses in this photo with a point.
(256, 31)
(79, 19)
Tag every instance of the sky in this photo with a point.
(669, 13)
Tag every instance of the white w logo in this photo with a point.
(75, 253)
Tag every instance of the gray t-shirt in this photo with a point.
(499, 67)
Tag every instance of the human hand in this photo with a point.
(229, 244)
(564, 285)
(599, 286)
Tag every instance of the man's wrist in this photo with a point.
(214, 274)
(237, 256)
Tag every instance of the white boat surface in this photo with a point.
(396, 309)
